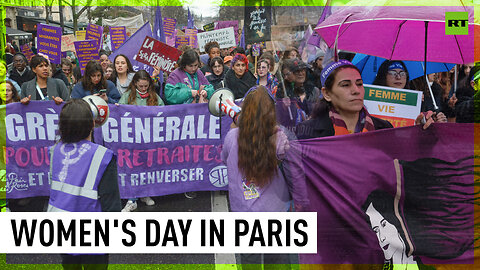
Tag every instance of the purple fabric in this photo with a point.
(118, 35)
(179, 76)
(130, 48)
(373, 30)
(86, 51)
(182, 155)
(95, 32)
(190, 22)
(341, 172)
(75, 174)
(158, 32)
(49, 42)
(274, 197)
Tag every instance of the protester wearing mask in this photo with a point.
(21, 73)
(239, 78)
(42, 87)
(187, 83)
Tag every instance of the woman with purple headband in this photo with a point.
(341, 110)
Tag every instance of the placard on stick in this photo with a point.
(156, 53)
(225, 38)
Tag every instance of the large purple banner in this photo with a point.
(396, 196)
(160, 150)
(49, 42)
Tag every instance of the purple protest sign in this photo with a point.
(118, 35)
(27, 51)
(95, 32)
(160, 150)
(86, 50)
(192, 34)
(169, 25)
(377, 193)
(49, 42)
(181, 40)
(227, 24)
(130, 48)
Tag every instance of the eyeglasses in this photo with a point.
(394, 73)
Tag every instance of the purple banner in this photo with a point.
(227, 24)
(95, 32)
(160, 150)
(130, 48)
(169, 25)
(118, 35)
(86, 50)
(400, 196)
(49, 42)
(181, 40)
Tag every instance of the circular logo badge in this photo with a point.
(218, 176)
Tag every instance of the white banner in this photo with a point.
(225, 38)
(165, 232)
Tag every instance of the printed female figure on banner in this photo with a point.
(432, 217)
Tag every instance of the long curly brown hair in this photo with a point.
(257, 158)
(132, 97)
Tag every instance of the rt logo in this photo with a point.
(456, 23)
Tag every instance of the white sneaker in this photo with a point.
(148, 201)
(130, 206)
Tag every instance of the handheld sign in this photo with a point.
(256, 50)
(67, 43)
(27, 51)
(80, 34)
(118, 35)
(95, 32)
(192, 33)
(225, 38)
(86, 50)
(399, 106)
(49, 42)
(169, 25)
(257, 24)
(209, 27)
(156, 53)
(181, 40)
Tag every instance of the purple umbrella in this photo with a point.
(398, 33)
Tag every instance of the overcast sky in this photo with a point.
(205, 8)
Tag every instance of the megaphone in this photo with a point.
(222, 103)
(99, 109)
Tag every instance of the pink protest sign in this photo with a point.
(156, 53)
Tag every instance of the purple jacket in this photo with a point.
(274, 197)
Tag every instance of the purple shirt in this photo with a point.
(274, 197)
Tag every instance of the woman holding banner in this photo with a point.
(187, 83)
(94, 83)
(341, 110)
(141, 92)
(252, 153)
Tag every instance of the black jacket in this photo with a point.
(28, 75)
(322, 126)
(239, 86)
